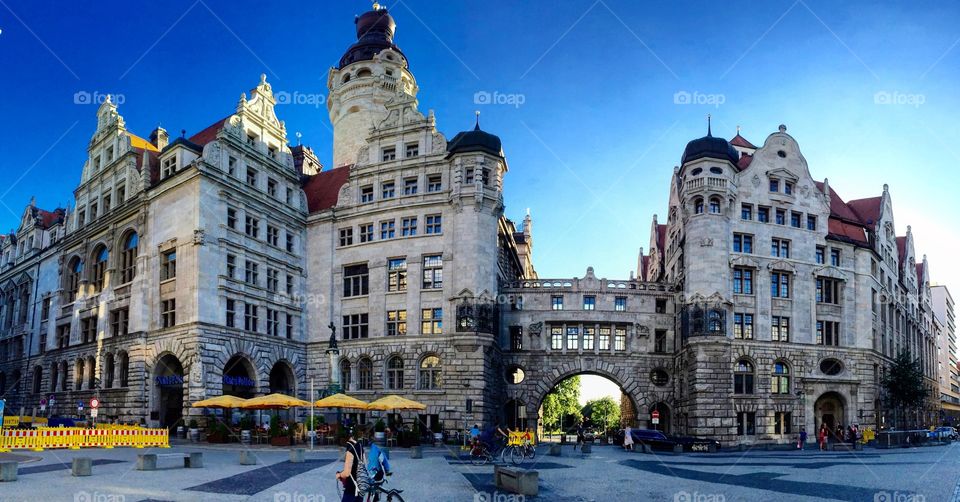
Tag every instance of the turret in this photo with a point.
(371, 72)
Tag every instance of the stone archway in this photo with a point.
(239, 377)
(829, 409)
(282, 379)
(168, 389)
(534, 407)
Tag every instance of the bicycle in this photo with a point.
(392, 495)
(521, 452)
(480, 454)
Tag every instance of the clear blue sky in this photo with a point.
(591, 148)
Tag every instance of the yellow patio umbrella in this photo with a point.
(224, 402)
(341, 401)
(273, 402)
(394, 402)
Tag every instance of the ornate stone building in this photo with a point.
(229, 261)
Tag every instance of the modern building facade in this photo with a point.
(947, 368)
(231, 261)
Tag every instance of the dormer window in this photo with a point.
(364, 72)
(389, 154)
(169, 167)
(774, 185)
(273, 152)
(109, 153)
(413, 149)
(251, 139)
(788, 188)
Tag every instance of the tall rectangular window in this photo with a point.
(410, 186)
(780, 329)
(290, 324)
(231, 266)
(231, 313)
(620, 339)
(780, 248)
(168, 313)
(746, 212)
(356, 326)
(780, 285)
(387, 230)
(432, 272)
(273, 280)
(232, 218)
(251, 318)
(388, 190)
(396, 322)
(811, 222)
(620, 304)
(397, 274)
(835, 257)
(742, 281)
(516, 338)
(589, 302)
(366, 193)
(272, 187)
(434, 183)
(273, 322)
(346, 236)
(168, 265)
(434, 224)
(251, 177)
(356, 280)
(820, 255)
(781, 217)
(290, 241)
(781, 422)
(556, 302)
(251, 272)
(763, 214)
(604, 341)
(742, 243)
(556, 338)
(660, 341)
(573, 337)
(120, 322)
(828, 290)
(252, 227)
(273, 235)
(366, 232)
(795, 218)
(746, 423)
(408, 227)
(431, 321)
(828, 333)
(743, 326)
(589, 335)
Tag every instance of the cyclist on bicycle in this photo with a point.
(378, 465)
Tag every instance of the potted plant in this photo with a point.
(194, 430)
(218, 433)
(378, 431)
(280, 432)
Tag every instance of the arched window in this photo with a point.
(37, 379)
(128, 258)
(108, 368)
(346, 78)
(365, 374)
(715, 321)
(714, 205)
(345, 374)
(364, 72)
(124, 363)
(64, 378)
(74, 269)
(743, 377)
(78, 374)
(395, 373)
(429, 378)
(698, 206)
(99, 272)
(91, 373)
(54, 376)
(780, 380)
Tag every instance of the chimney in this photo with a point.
(159, 138)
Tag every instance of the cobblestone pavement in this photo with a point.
(907, 475)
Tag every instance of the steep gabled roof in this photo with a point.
(209, 134)
(323, 188)
(139, 143)
(742, 142)
(50, 218)
(744, 161)
(644, 263)
(839, 208)
(901, 248)
(868, 210)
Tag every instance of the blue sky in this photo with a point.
(591, 147)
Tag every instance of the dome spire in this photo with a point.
(708, 125)
(477, 127)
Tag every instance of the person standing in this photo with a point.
(628, 439)
(803, 438)
(351, 464)
(822, 437)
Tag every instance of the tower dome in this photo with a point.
(375, 31)
(476, 140)
(710, 147)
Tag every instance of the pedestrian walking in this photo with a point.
(352, 460)
(803, 438)
(822, 437)
(580, 435)
(628, 439)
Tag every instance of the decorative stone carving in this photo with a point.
(642, 330)
(535, 328)
(198, 236)
(706, 242)
(439, 143)
(363, 155)
(755, 180)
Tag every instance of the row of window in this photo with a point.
(584, 337)
(410, 186)
(827, 332)
(780, 216)
(99, 206)
(590, 303)
(747, 423)
(252, 322)
(251, 275)
(409, 227)
(116, 373)
(252, 179)
(780, 248)
(827, 289)
(100, 257)
(357, 326)
(356, 278)
(429, 374)
(251, 227)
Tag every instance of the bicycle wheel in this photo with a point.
(478, 457)
(394, 497)
(531, 452)
(516, 455)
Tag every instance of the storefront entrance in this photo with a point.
(168, 387)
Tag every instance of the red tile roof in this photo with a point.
(644, 263)
(901, 247)
(847, 232)
(838, 208)
(744, 161)
(661, 237)
(920, 273)
(868, 210)
(322, 189)
(209, 134)
(49, 218)
(740, 141)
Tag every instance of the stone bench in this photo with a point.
(525, 482)
(8, 471)
(297, 456)
(247, 458)
(148, 461)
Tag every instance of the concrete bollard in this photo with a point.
(82, 466)
(194, 460)
(416, 452)
(8, 471)
(147, 462)
(297, 455)
(247, 457)
(555, 450)
(678, 448)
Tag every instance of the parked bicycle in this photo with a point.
(391, 495)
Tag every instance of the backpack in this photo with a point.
(362, 481)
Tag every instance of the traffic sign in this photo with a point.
(94, 403)
(93, 413)
(43, 402)
(655, 416)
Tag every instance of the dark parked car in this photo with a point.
(695, 444)
(653, 438)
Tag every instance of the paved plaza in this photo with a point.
(902, 475)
